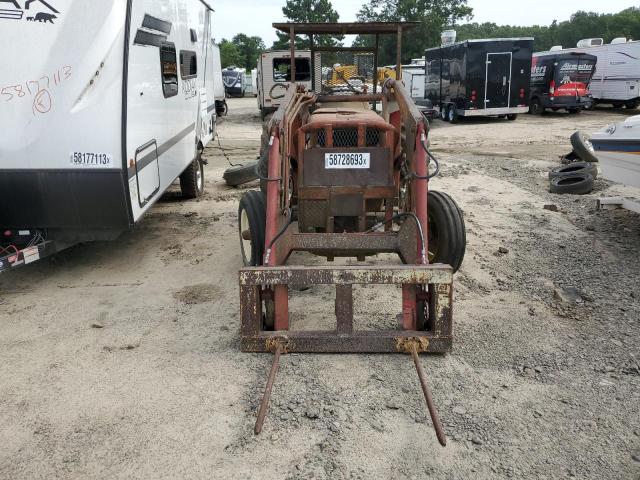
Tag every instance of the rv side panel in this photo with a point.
(166, 73)
(60, 118)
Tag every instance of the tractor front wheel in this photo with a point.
(252, 215)
(446, 232)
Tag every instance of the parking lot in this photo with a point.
(122, 360)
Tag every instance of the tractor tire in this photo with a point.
(575, 167)
(252, 221)
(574, 184)
(192, 180)
(583, 148)
(447, 235)
(240, 174)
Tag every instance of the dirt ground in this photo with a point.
(121, 359)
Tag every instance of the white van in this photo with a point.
(105, 104)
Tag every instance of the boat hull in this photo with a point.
(618, 150)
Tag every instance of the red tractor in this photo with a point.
(345, 173)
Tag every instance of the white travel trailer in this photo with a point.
(254, 82)
(235, 81)
(274, 71)
(104, 105)
(617, 76)
(218, 83)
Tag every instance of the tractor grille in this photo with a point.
(345, 138)
(372, 137)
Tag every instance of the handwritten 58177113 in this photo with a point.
(39, 91)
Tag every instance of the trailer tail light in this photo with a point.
(552, 88)
(522, 93)
(8, 233)
(473, 96)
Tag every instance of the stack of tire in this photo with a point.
(576, 178)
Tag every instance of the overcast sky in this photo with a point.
(254, 17)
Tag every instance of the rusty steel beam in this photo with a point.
(345, 275)
(368, 97)
(353, 28)
(369, 341)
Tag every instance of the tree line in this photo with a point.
(433, 17)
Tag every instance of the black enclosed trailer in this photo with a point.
(479, 77)
(561, 80)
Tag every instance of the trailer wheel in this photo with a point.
(536, 107)
(446, 232)
(575, 167)
(575, 184)
(192, 180)
(512, 117)
(574, 111)
(443, 113)
(452, 114)
(252, 220)
(240, 174)
(618, 104)
(583, 147)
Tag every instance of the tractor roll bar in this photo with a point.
(355, 28)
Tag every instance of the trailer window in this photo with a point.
(188, 64)
(282, 69)
(169, 69)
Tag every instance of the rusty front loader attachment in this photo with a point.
(346, 174)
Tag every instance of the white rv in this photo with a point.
(617, 76)
(274, 72)
(218, 83)
(235, 81)
(103, 104)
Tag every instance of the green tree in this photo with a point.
(249, 48)
(567, 33)
(308, 11)
(230, 55)
(432, 15)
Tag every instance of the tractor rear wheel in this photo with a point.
(447, 235)
(252, 220)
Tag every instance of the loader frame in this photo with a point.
(425, 322)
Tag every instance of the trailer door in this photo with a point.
(498, 80)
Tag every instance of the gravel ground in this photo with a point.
(121, 359)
